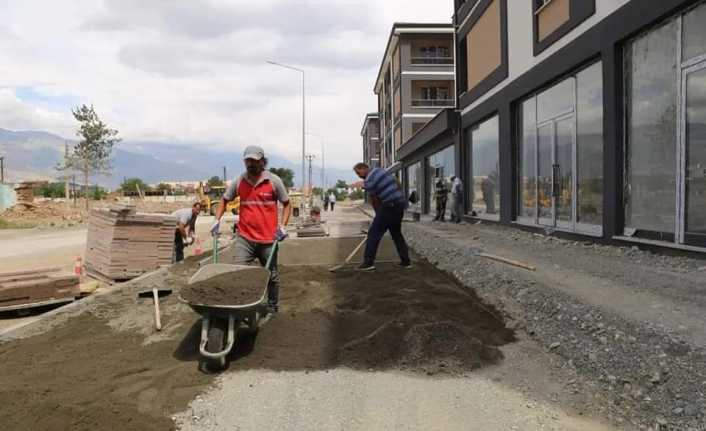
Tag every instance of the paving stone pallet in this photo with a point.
(27, 287)
(123, 244)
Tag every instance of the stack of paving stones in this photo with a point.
(25, 192)
(123, 244)
(36, 286)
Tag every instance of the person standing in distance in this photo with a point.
(332, 200)
(185, 232)
(260, 191)
(389, 204)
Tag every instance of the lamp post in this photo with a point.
(323, 161)
(274, 63)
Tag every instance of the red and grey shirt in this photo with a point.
(258, 205)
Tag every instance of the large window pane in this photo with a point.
(414, 178)
(694, 31)
(555, 101)
(564, 172)
(485, 168)
(441, 166)
(528, 159)
(651, 149)
(696, 155)
(589, 111)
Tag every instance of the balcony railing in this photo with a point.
(433, 103)
(433, 60)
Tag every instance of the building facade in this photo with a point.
(371, 139)
(581, 116)
(415, 82)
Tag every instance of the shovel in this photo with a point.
(350, 256)
(155, 294)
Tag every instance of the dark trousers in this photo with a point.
(333, 204)
(440, 209)
(247, 251)
(178, 246)
(386, 218)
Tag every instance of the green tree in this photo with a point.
(92, 153)
(162, 187)
(356, 194)
(340, 184)
(98, 193)
(215, 181)
(286, 174)
(133, 185)
(52, 190)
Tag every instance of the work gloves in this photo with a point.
(215, 229)
(281, 234)
(189, 240)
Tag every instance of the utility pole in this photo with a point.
(310, 158)
(323, 168)
(224, 175)
(2, 170)
(67, 192)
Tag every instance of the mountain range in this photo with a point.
(33, 155)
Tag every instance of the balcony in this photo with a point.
(433, 103)
(442, 61)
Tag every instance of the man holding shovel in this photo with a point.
(260, 191)
(389, 204)
(185, 232)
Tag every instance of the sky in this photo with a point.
(195, 71)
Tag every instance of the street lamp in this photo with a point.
(274, 63)
(323, 161)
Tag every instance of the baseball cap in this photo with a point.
(253, 152)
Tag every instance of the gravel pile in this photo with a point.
(650, 378)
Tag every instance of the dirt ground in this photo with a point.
(106, 368)
(48, 214)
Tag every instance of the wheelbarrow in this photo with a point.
(220, 323)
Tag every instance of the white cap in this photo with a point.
(253, 152)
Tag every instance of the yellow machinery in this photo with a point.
(210, 197)
(296, 199)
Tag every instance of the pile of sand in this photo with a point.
(232, 288)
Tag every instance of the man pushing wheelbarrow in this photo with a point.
(260, 191)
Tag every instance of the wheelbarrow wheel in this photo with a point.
(217, 332)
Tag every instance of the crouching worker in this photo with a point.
(185, 232)
(260, 191)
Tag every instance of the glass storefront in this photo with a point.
(414, 187)
(484, 144)
(441, 166)
(665, 154)
(561, 155)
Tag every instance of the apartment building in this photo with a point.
(415, 82)
(371, 139)
(581, 116)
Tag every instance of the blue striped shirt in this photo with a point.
(382, 184)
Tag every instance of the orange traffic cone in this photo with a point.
(198, 251)
(78, 266)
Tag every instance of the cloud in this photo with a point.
(194, 71)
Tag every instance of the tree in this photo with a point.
(286, 174)
(93, 151)
(52, 190)
(98, 193)
(215, 181)
(356, 194)
(164, 187)
(133, 185)
(340, 184)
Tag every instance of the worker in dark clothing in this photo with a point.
(441, 196)
(389, 204)
(185, 232)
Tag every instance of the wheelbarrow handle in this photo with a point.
(275, 246)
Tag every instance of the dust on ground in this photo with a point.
(106, 367)
(59, 213)
(231, 288)
(416, 320)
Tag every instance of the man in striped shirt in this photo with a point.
(389, 204)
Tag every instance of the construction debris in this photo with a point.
(123, 244)
(37, 286)
(25, 191)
